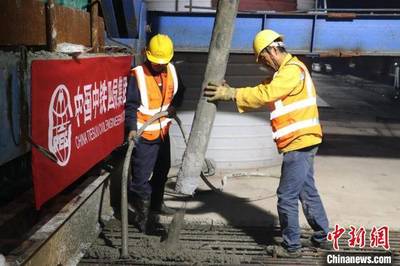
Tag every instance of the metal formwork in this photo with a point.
(318, 33)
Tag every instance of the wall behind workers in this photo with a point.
(305, 4)
(210, 5)
(178, 5)
(237, 141)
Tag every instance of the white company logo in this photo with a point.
(60, 128)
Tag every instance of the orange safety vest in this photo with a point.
(296, 114)
(154, 100)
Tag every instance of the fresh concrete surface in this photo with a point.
(357, 170)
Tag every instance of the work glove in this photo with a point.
(219, 93)
(171, 111)
(132, 135)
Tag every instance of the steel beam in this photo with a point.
(314, 33)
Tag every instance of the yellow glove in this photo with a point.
(219, 93)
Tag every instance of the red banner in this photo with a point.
(78, 115)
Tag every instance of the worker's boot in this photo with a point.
(277, 251)
(154, 227)
(311, 243)
(141, 209)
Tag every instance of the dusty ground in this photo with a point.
(202, 244)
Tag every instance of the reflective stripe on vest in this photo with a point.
(156, 126)
(309, 102)
(294, 127)
(140, 77)
(292, 107)
(174, 77)
(145, 109)
(152, 112)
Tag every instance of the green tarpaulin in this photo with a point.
(77, 4)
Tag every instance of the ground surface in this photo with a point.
(210, 245)
(357, 173)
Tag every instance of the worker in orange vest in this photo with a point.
(291, 98)
(154, 87)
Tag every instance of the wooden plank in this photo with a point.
(94, 26)
(72, 26)
(25, 24)
(100, 34)
(22, 24)
(277, 5)
(51, 29)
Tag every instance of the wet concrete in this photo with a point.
(145, 249)
(202, 244)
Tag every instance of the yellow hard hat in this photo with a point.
(263, 39)
(160, 49)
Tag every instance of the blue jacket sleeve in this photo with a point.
(178, 98)
(132, 104)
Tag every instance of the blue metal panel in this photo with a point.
(124, 41)
(132, 12)
(360, 35)
(195, 31)
(109, 18)
(304, 33)
(135, 12)
(245, 30)
(142, 18)
(130, 18)
(137, 4)
(186, 31)
(297, 31)
(10, 112)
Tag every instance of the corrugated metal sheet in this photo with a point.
(178, 5)
(238, 141)
(206, 5)
(314, 34)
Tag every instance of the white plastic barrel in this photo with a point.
(238, 141)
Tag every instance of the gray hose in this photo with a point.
(124, 184)
(125, 174)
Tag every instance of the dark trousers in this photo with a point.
(150, 157)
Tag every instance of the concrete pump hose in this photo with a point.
(124, 184)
